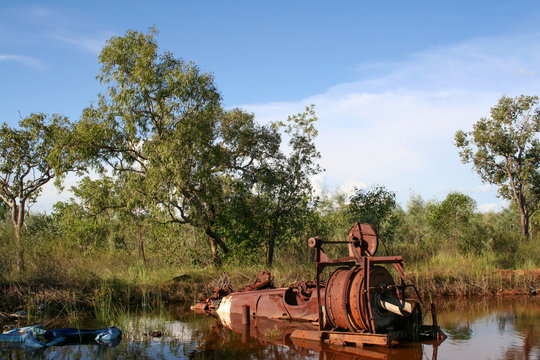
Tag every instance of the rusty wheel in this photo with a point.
(363, 240)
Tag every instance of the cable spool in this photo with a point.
(363, 240)
(347, 304)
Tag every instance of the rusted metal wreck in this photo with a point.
(358, 304)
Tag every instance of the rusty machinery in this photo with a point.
(360, 301)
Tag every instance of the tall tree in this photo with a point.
(161, 125)
(30, 156)
(505, 151)
(285, 181)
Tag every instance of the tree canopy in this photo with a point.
(161, 127)
(505, 151)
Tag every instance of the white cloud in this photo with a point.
(50, 194)
(317, 182)
(492, 207)
(26, 60)
(523, 71)
(92, 43)
(484, 188)
(397, 128)
(349, 186)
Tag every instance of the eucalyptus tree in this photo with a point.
(33, 154)
(285, 181)
(505, 151)
(161, 125)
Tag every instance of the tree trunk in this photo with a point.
(216, 260)
(18, 252)
(17, 219)
(524, 217)
(524, 224)
(215, 241)
(140, 245)
(272, 241)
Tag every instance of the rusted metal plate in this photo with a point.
(200, 307)
(264, 280)
(272, 306)
(357, 302)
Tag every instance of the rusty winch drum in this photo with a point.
(346, 298)
(347, 304)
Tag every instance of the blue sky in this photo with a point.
(391, 81)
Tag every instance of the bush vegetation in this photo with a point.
(86, 254)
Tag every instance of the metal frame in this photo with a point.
(322, 261)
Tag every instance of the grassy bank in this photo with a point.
(459, 275)
(102, 284)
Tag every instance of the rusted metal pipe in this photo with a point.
(395, 306)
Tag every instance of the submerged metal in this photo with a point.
(359, 303)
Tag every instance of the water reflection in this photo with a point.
(487, 328)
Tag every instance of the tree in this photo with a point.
(161, 125)
(285, 182)
(505, 151)
(30, 156)
(375, 206)
(451, 218)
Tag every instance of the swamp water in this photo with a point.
(478, 328)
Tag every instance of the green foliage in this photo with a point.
(3, 211)
(161, 127)
(505, 151)
(451, 219)
(376, 206)
(284, 187)
(32, 155)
